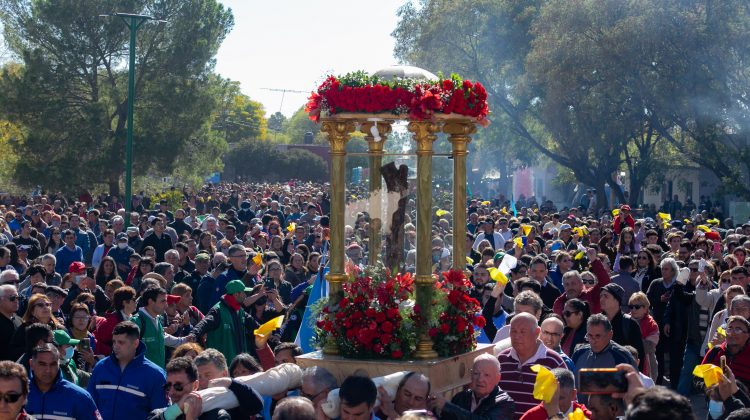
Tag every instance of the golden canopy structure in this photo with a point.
(376, 127)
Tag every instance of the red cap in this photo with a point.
(76, 267)
(625, 207)
(714, 236)
(172, 299)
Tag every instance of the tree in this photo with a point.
(260, 161)
(240, 117)
(72, 92)
(276, 121)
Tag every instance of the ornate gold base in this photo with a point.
(331, 349)
(424, 348)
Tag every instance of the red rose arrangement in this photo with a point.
(374, 318)
(418, 99)
(456, 315)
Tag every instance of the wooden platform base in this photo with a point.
(447, 375)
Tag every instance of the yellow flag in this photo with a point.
(469, 261)
(686, 221)
(713, 221)
(704, 228)
(721, 332)
(485, 203)
(258, 259)
(711, 374)
(615, 212)
(545, 384)
(577, 414)
(518, 242)
(665, 217)
(498, 276)
(441, 212)
(504, 210)
(270, 326)
(526, 229)
(581, 231)
(291, 227)
(579, 255)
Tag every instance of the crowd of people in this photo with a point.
(116, 315)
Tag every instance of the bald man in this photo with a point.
(526, 350)
(551, 335)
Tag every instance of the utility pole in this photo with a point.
(133, 21)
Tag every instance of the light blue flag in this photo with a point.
(513, 205)
(319, 291)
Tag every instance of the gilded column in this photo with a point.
(460, 132)
(424, 135)
(375, 148)
(338, 132)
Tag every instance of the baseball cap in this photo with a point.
(236, 286)
(202, 257)
(76, 267)
(62, 338)
(172, 299)
(122, 236)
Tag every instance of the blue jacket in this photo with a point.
(130, 393)
(64, 400)
(65, 257)
(221, 283)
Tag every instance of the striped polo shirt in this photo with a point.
(518, 380)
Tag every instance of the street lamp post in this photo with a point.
(133, 21)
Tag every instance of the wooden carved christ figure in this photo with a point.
(396, 181)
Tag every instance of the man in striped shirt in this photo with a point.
(526, 350)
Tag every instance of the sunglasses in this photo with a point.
(570, 313)
(12, 298)
(634, 307)
(177, 386)
(588, 281)
(11, 397)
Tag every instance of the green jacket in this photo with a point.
(152, 336)
(227, 330)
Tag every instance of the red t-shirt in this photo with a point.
(539, 413)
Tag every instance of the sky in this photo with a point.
(294, 44)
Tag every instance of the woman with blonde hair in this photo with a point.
(38, 310)
(638, 305)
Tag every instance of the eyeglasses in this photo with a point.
(736, 330)
(10, 398)
(177, 386)
(588, 281)
(310, 396)
(551, 334)
(12, 298)
(634, 307)
(570, 313)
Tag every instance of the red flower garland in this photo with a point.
(420, 101)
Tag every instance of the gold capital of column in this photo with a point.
(424, 135)
(339, 132)
(460, 134)
(384, 129)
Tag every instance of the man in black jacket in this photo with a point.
(182, 382)
(626, 331)
(483, 399)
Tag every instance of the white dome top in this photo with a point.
(405, 72)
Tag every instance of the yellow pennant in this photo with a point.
(469, 261)
(581, 231)
(704, 228)
(518, 242)
(485, 203)
(526, 229)
(713, 222)
(577, 414)
(711, 374)
(441, 212)
(258, 259)
(291, 227)
(665, 217)
(721, 332)
(579, 255)
(687, 221)
(498, 276)
(270, 326)
(545, 384)
(504, 210)
(615, 212)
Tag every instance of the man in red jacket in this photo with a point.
(736, 348)
(566, 402)
(624, 219)
(573, 286)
